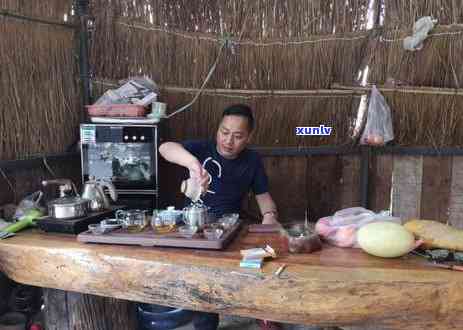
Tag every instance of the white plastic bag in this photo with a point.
(29, 202)
(352, 215)
(133, 90)
(378, 129)
(421, 28)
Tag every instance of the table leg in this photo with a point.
(66, 310)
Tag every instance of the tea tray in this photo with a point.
(149, 238)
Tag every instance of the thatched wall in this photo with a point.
(276, 117)
(286, 45)
(39, 91)
(47, 9)
(438, 64)
(403, 13)
(40, 105)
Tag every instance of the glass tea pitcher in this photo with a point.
(133, 220)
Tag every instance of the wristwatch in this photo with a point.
(275, 213)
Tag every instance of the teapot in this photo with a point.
(196, 215)
(94, 191)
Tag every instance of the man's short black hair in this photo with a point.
(240, 110)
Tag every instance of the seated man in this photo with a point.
(241, 170)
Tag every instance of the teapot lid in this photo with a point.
(91, 179)
(197, 205)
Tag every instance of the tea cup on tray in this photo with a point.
(187, 231)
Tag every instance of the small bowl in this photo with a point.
(96, 229)
(187, 231)
(233, 216)
(212, 233)
(213, 225)
(111, 223)
(227, 223)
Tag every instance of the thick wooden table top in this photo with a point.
(330, 287)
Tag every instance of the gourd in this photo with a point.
(385, 239)
(436, 235)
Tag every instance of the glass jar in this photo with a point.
(298, 239)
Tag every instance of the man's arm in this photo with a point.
(268, 209)
(175, 153)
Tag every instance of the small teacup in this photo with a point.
(158, 109)
(212, 233)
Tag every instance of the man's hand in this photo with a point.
(267, 208)
(270, 219)
(200, 174)
(175, 153)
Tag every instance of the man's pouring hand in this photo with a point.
(200, 174)
(270, 220)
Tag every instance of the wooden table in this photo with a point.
(331, 287)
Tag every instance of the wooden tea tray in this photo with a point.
(149, 238)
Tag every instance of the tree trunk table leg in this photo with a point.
(66, 310)
(5, 288)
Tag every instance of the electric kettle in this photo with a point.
(94, 191)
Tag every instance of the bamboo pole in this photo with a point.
(262, 92)
(402, 89)
(337, 89)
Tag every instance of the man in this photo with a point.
(241, 170)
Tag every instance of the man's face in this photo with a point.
(233, 136)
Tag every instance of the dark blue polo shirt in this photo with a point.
(239, 175)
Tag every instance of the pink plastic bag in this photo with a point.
(341, 228)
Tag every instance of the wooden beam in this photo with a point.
(407, 177)
(456, 193)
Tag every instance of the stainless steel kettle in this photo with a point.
(94, 191)
(67, 206)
